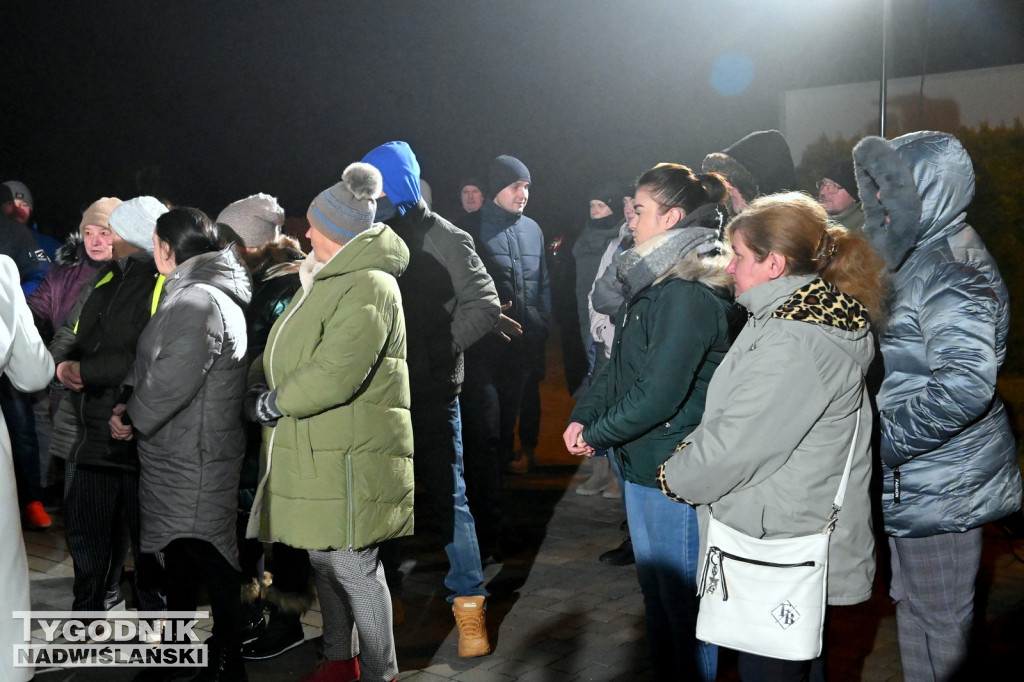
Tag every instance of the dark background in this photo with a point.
(206, 102)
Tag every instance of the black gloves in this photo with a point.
(261, 405)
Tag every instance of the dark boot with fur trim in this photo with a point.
(253, 621)
(284, 627)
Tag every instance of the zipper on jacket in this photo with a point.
(351, 503)
(896, 486)
(716, 567)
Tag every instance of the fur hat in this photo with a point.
(12, 189)
(98, 213)
(256, 220)
(506, 170)
(135, 221)
(757, 164)
(840, 171)
(343, 211)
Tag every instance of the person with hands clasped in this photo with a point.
(94, 350)
(185, 410)
(673, 328)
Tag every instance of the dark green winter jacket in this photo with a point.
(669, 338)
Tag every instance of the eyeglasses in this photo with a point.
(827, 185)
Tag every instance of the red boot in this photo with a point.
(334, 671)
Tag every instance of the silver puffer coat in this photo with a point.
(948, 454)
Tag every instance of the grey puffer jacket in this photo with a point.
(948, 455)
(189, 378)
(779, 421)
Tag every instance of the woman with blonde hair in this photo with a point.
(782, 408)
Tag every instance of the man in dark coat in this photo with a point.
(450, 303)
(512, 249)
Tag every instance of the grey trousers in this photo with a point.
(933, 587)
(356, 609)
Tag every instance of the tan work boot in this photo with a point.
(469, 617)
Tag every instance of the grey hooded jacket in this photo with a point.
(190, 379)
(780, 418)
(949, 460)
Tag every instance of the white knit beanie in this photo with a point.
(135, 221)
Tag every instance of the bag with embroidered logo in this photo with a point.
(767, 596)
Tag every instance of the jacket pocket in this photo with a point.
(304, 450)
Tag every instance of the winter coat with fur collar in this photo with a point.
(948, 454)
(670, 336)
(780, 417)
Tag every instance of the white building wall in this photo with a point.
(967, 98)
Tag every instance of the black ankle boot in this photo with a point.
(621, 555)
(284, 632)
(225, 665)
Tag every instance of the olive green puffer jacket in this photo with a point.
(336, 469)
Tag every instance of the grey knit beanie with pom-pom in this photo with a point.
(343, 211)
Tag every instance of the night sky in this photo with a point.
(208, 102)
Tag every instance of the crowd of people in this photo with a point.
(244, 417)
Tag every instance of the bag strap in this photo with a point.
(837, 503)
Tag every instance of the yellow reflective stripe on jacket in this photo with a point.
(157, 291)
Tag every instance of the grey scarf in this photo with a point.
(642, 265)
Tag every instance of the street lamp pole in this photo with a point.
(886, 16)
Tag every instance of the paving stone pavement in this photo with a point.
(555, 613)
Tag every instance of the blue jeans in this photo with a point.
(437, 441)
(666, 545)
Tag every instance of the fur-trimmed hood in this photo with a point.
(275, 259)
(72, 251)
(925, 181)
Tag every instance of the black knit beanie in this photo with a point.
(840, 171)
(506, 170)
(611, 193)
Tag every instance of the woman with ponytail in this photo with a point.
(782, 409)
(673, 328)
(185, 410)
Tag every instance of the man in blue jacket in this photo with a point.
(512, 249)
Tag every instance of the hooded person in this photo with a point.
(948, 456)
(332, 392)
(450, 303)
(498, 367)
(758, 164)
(94, 351)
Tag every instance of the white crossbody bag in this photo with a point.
(767, 596)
